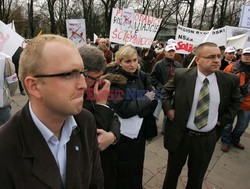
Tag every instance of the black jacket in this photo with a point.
(128, 91)
(108, 121)
(160, 73)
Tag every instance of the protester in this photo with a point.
(228, 57)
(51, 142)
(199, 102)
(238, 54)
(161, 55)
(160, 48)
(148, 59)
(222, 50)
(177, 57)
(15, 59)
(230, 135)
(102, 45)
(134, 105)
(161, 73)
(95, 100)
(8, 86)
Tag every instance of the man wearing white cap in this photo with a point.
(230, 135)
(228, 57)
(162, 72)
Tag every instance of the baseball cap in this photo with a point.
(246, 50)
(230, 50)
(170, 47)
(172, 42)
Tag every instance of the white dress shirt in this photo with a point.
(213, 104)
(57, 147)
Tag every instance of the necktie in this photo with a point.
(201, 114)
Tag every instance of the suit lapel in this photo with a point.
(73, 159)
(190, 86)
(35, 149)
(222, 85)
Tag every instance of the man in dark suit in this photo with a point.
(51, 142)
(95, 100)
(199, 102)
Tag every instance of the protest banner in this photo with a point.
(235, 31)
(238, 42)
(76, 30)
(245, 17)
(9, 40)
(144, 29)
(187, 38)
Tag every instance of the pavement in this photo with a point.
(226, 170)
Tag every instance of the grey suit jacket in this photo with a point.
(178, 94)
(26, 161)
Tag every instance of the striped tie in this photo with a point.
(201, 114)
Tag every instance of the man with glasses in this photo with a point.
(95, 100)
(230, 135)
(51, 142)
(199, 102)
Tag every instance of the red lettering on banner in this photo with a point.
(118, 12)
(115, 33)
(184, 46)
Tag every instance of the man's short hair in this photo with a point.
(202, 45)
(93, 58)
(31, 58)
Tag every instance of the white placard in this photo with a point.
(144, 29)
(9, 40)
(245, 17)
(76, 30)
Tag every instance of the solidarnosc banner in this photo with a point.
(141, 29)
(187, 38)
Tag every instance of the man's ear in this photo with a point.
(196, 58)
(33, 86)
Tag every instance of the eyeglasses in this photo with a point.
(93, 78)
(69, 75)
(212, 57)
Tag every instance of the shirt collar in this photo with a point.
(201, 77)
(68, 126)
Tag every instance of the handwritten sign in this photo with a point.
(245, 16)
(142, 33)
(187, 38)
(9, 40)
(76, 30)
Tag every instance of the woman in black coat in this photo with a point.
(132, 98)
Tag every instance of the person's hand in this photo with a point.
(150, 95)
(101, 91)
(170, 114)
(105, 139)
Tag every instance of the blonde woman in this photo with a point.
(133, 100)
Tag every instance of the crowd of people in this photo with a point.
(91, 109)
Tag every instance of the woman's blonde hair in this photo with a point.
(125, 52)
